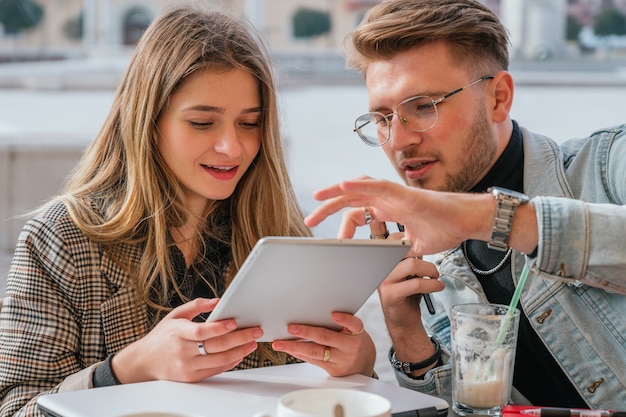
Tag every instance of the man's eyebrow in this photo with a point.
(432, 95)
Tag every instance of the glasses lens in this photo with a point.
(372, 128)
(419, 112)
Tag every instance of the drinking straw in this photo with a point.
(512, 306)
(509, 315)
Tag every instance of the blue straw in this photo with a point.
(513, 305)
(509, 315)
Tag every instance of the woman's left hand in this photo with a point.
(340, 353)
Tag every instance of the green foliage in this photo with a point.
(73, 28)
(308, 23)
(610, 22)
(19, 15)
(572, 29)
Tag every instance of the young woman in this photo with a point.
(111, 281)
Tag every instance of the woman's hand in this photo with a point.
(171, 351)
(344, 352)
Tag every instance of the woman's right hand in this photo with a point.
(171, 350)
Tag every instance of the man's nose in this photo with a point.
(400, 135)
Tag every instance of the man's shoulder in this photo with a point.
(610, 140)
(610, 133)
(618, 131)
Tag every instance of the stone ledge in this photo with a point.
(30, 175)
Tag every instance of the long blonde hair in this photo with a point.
(121, 192)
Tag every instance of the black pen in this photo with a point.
(427, 300)
(571, 412)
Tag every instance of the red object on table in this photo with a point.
(514, 410)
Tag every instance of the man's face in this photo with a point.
(459, 150)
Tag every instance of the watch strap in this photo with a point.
(408, 367)
(507, 202)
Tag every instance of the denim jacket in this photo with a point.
(575, 293)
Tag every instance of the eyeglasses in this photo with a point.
(418, 113)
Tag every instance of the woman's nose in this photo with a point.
(229, 143)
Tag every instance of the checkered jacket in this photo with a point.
(68, 305)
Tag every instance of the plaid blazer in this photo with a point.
(67, 306)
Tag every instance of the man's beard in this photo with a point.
(478, 149)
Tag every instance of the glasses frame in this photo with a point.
(403, 120)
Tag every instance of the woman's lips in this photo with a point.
(223, 173)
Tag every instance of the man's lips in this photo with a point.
(417, 170)
(414, 165)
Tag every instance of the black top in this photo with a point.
(537, 375)
(205, 278)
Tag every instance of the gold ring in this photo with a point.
(326, 354)
(357, 333)
(368, 215)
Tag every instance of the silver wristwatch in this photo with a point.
(508, 201)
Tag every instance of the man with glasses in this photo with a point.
(489, 197)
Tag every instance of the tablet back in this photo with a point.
(303, 280)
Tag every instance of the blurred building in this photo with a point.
(537, 27)
(83, 28)
(79, 28)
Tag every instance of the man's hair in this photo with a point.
(474, 34)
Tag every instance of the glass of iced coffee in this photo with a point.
(484, 337)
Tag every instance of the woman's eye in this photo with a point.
(251, 124)
(200, 125)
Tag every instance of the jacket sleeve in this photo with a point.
(41, 334)
(583, 239)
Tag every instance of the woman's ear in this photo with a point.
(502, 90)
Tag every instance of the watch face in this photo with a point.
(498, 191)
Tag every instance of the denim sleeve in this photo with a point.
(580, 241)
(437, 381)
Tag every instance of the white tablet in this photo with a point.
(303, 280)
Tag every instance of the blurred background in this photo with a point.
(61, 60)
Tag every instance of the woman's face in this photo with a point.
(210, 133)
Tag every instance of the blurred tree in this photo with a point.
(308, 23)
(19, 15)
(573, 27)
(610, 22)
(73, 28)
